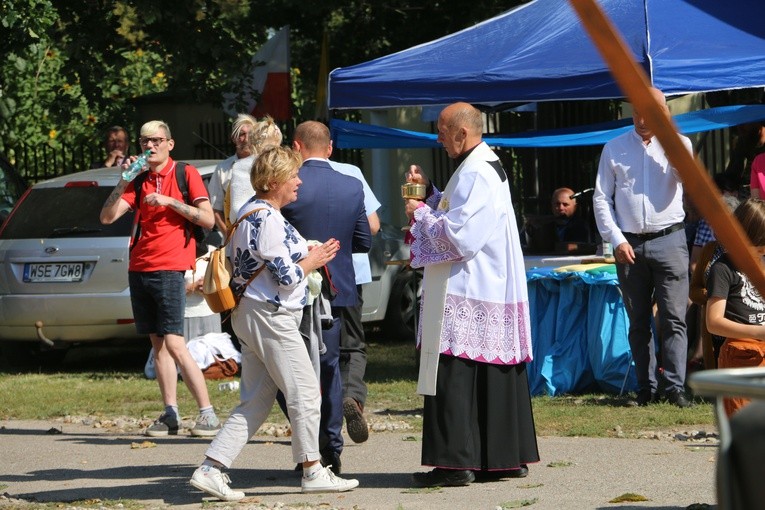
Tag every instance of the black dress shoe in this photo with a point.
(678, 398)
(500, 474)
(443, 478)
(643, 398)
(332, 461)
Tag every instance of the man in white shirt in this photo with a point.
(638, 203)
(218, 187)
(353, 349)
(222, 175)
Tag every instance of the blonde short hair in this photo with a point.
(153, 126)
(274, 166)
(265, 134)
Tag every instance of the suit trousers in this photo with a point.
(660, 274)
(331, 428)
(353, 352)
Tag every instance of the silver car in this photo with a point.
(391, 298)
(64, 275)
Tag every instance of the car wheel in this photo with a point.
(403, 306)
(25, 355)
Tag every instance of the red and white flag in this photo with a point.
(266, 88)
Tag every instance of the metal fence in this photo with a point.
(40, 162)
(533, 173)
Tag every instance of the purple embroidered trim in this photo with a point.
(488, 332)
(431, 244)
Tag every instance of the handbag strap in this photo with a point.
(232, 228)
(229, 234)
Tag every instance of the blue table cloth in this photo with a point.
(579, 332)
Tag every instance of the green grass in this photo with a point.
(85, 388)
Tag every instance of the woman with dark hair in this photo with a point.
(735, 309)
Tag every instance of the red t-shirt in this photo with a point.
(160, 246)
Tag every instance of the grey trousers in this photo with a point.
(660, 274)
(353, 352)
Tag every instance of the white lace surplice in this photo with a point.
(486, 311)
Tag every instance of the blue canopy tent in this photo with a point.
(540, 52)
(353, 135)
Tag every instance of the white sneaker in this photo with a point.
(209, 479)
(326, 481)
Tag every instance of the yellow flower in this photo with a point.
(90, 119)
(139, 52)
(52, 134)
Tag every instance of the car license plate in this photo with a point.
(54, 272)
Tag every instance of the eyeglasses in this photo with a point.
(154, 141)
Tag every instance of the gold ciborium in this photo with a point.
(413, 190)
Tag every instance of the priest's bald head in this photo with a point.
(460, 127)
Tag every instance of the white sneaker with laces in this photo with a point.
(325, 480)
(209, 479)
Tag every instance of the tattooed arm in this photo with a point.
(201, 214)
(115, 206)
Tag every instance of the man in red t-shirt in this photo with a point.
(158, 261)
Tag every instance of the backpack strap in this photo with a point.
(183, 185)
(135, 232)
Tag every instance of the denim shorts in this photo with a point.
(159, 301)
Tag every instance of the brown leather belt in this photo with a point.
(659, 233)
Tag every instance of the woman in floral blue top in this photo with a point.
(274, 356)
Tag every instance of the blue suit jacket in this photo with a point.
(331, 204)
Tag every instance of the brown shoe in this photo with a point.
(357, 426)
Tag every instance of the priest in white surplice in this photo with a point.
(475, 333)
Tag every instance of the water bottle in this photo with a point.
(136, 166)
(608, 252)
(228, 386)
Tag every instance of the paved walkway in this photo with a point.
(82, 462)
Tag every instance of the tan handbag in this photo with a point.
(216, 287)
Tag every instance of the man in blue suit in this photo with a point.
(330, 204)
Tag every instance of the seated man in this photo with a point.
(563, 232)
(569, 227)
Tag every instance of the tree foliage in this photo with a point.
(73, 68)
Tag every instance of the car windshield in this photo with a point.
(64, 212)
